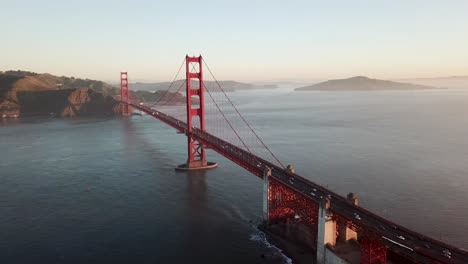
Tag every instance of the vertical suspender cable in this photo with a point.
(173, 80)
(243, 119)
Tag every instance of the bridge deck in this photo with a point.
(417, 247)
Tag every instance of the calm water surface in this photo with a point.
(105, 191)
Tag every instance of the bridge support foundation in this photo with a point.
(266, 193)
(289, 214)
(333, 233)
(326, 233)
(344, 232)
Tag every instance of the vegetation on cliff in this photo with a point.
(29, 93)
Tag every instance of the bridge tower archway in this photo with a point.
(195, 100)
(124, 94)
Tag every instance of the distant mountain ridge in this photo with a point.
(228, 86)
(362, 83)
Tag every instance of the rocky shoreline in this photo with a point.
(297, 252)
(27, 94)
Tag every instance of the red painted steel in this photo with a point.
(373, 252)
(195, 150)
(124, 93)
(285, 205)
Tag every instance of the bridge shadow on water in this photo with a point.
(197, 190)
(134, 141)
(201, 203)
(198, 212)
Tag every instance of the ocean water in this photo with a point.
(105, 190)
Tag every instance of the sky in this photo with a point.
(240, 40)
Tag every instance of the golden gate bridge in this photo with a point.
(214, 123)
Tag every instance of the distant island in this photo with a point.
(362, 83)
(212, 86)
(24, 93)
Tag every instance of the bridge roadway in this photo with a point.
(416, 247)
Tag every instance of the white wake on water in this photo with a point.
(259, 236)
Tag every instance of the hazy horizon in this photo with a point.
(262, 82)
(261, 41)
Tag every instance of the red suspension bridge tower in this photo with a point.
(196, 159)
(125, 94)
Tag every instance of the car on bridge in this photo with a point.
(357, 216)
(446, 253)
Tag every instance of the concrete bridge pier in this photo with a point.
(344, 232)
(266, 195)
(328, 241)
(332, 231)
(326, 232)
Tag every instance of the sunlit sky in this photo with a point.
(240, 40)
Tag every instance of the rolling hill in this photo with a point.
(25, 93)
(228, 86)
(361, 83)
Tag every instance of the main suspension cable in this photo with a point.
(172, 83)
(174, 94)
(243, 119)
(180, 87)
(225, 118)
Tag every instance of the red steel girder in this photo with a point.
(373, 252)
(286, 204)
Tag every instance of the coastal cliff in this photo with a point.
(66, 103)
(31, 94)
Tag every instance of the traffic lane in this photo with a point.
(378, 227)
